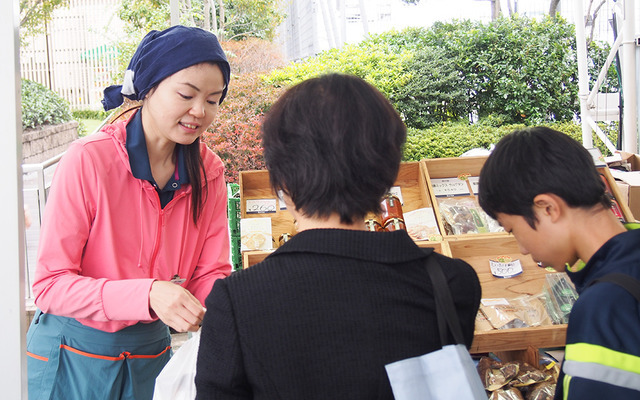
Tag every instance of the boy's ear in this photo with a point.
(548, 205)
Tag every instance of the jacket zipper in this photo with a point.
(156, 245)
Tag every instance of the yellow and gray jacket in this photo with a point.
(602, 354)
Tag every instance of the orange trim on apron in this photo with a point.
(37, 357)
(84, 353)
(129, 355)
(120, 357)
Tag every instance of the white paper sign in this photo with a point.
(396, 191)
(447, 187)
(261, 206)
(474, 182)
(255, 234)
(283, 205)
(505, 269)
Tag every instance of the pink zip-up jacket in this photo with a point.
(105, 239)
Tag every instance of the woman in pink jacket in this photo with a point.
(135, 230)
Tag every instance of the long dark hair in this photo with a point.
(195, 165)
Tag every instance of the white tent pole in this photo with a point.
(583, 73)
(174, 7)
(630, 116)
(13, 363)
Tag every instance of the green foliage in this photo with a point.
(524, 69)
(90, 114)
(520, 69)
(453, 139)
(383, 69)
(235, 134)
(251, 18)
(597, 55)
(42, 106)
(34, 14)
(432, 94)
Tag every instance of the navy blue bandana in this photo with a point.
(163, 53)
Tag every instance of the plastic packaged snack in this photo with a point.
(519, 312)
(464, 215)
(541, 391)
(506, 394)
(495, 374)
(559, 296)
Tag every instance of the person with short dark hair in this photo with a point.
(321, 316)
(543, 187)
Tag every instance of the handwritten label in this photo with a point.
(505, 269)
(474, 181)
(396, 191)
(261, 206)
(449, 187)
(283, 205)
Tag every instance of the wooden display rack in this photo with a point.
(255, 185)
(414, 179)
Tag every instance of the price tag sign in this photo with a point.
(449, 187)
(505, 269)
(261, 206)
(474, 181)
(397, 191)
(283, 205)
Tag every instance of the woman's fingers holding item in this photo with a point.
(176, 306)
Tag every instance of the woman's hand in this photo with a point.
(176, 306)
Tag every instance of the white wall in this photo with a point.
(13, 370)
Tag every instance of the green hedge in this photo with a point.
(520, 69)
(453, 139)
(90, 114)
(42, 106)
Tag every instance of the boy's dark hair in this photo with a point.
(534, 161)
(334, 145)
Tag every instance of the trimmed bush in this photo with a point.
(453, 139)
(42, 106)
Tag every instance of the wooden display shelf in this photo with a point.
(255, 185)
(478, 251)
(519, 339)
(250, 258)
(624, 207)
(414, 180)
(438, 168)
(516, 343)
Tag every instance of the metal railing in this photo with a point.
(36, 179)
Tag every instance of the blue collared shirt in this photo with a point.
(139, 160)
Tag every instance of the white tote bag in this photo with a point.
(176, 381)
(445, 374)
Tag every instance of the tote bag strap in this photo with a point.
(628, 282)
(446, 313)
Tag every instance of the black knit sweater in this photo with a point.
(322, 315)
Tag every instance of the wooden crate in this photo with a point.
(512, 343)
(414, 179)
(451, 168)
(624, 207)
(255, 185)
(251, 258)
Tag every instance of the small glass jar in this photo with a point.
(391, 208)
(394, 224)
(373, 225)
(284, 238)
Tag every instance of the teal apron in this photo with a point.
(70, 361)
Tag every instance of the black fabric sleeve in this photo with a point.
(220, 372)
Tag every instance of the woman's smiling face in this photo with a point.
(184, 104)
